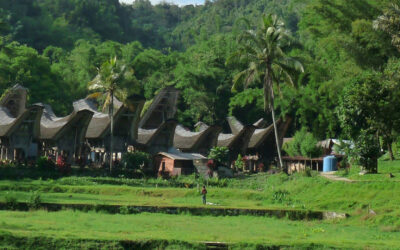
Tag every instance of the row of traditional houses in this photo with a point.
(31, 131)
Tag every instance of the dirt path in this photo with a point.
(333, 177)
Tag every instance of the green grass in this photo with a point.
(364, 228)
(311, 193)
(242, 229)
(384, 168)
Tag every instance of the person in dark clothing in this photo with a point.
(204, 193)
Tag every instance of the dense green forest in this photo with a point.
(54, 47)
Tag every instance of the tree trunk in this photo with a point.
(389, 145)
(112, 131)
(278, 147)
(269, 88)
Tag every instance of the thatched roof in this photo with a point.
(53, 127)
(100, 122)
(161, 109)
(162, 133)
(235, 125)
(13, 111)
(201, 126)
(261, 123)
(187, 140)
(14, 100)
(240, 134)
(6, 121)
(261, 135)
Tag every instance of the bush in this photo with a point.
(366, 151)
(6, 163)
(303, 144)
(135, 160)
(45, 163)
(280, 196)
(220, 155)
(239, 163)
(34, 200)
(124, 210)
(11, 201)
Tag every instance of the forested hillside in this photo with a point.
(53, 47)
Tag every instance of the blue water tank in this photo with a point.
(330, 163)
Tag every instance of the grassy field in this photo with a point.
(278, 191)
(373, 203)
(385, 168)
(242, 229)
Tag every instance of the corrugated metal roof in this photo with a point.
(182, 156)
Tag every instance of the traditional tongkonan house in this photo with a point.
(158, 139)
(263, 142)
(238, 141)
(126, 120)
(157, 126)
(64, 135)
(162, 108)
(19, 126)
(196, 142)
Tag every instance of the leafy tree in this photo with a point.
(366, 150)
(113, 79)
(135, 160)
(220, 155)
(204, 81)
(368, 108)
(251, 100)
(303, 144)
(389, 22)
(267, 62)
(24, 65)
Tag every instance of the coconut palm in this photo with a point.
(112, 79)
(263, 52)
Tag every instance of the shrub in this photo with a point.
(280, 196)
(366, 151)
(136, 160)
(11, 201)
(220, 155)
(34, 200)
(6, 163)
(124, 210)
(239, 163)
(45, 163)
(303, 144)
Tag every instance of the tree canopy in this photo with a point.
(54, 48)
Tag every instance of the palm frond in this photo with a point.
(107, 102)
(238, 80)
(94, 95)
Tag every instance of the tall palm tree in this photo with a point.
(111, 79)
(262, 51)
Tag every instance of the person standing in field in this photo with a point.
(204, 193)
